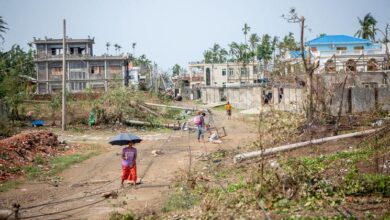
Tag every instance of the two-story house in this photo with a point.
(83, 69)
(341, 52)
(225, 74)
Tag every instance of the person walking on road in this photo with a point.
(129, 167)
(228, 108)
(199, 123)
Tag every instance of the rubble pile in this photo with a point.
(24, 150)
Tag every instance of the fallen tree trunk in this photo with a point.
(150, 111)
(146, 123)
(169, 106)
(246, 156)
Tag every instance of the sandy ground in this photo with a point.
(78, 195)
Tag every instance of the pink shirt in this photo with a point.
(130, 155)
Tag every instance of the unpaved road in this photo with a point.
(78, 195)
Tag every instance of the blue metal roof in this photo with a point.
(336, 39)
(296, 54)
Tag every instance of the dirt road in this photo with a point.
(78, 195)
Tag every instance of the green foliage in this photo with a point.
(180, 200)
(216, 54)
(11, 184)
(15, 65)
(176, 70)
(60, 163)
(367, 27)
(361, 184)
(5, 129)
(39, 160)
(119, 216)
(235, 187)
(3, 27)
(32, 171)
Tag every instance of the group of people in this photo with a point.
(129, 153)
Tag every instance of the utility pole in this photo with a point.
(64, 78)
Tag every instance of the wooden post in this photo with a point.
(63, 121)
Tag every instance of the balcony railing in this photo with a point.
(325, 53)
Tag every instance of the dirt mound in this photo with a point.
(23, 150)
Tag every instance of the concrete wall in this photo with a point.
(247, 97)
(384, 98)
(360, 99)
(363, 99)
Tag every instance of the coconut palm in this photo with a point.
(133, 46)
(108, 44)
(245, 30)
(3, 27)
(116, 46)
(367, 27)
(253, 40)
(119, 48)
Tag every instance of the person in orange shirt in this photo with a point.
(228, 108)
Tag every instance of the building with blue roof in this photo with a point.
(340, 53)
(341, 45)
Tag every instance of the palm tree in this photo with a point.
(108, 44)
(119, 48)
(116, 48)
(245, 30)
(3, 27)
(367, 27)
(133, 46)
(253, 40)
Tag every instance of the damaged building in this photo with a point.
(363, 65)
(83, 68)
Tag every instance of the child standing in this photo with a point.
(228, 108)
(129, 168)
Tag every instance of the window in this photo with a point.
(56, 51)
(78, 86)
(231, 72)
(358, 48)
(341, 48)
(244, 71)
(97, 69)
(56, 71)
(77, 75)
(223, 72)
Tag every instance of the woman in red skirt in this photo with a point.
(129, 167)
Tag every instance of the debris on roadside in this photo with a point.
(156, 153)
(25, 149)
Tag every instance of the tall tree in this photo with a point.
(176, 70)
(15, 65)
(108, 44)
(367, 27)
(133, 46)
(116, 46)
(253, 40)
(288, 43)
(3, 28)
(310, 67)
(245, 30)
(265, 49)
(216, 54)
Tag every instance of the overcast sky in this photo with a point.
(178, 31)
